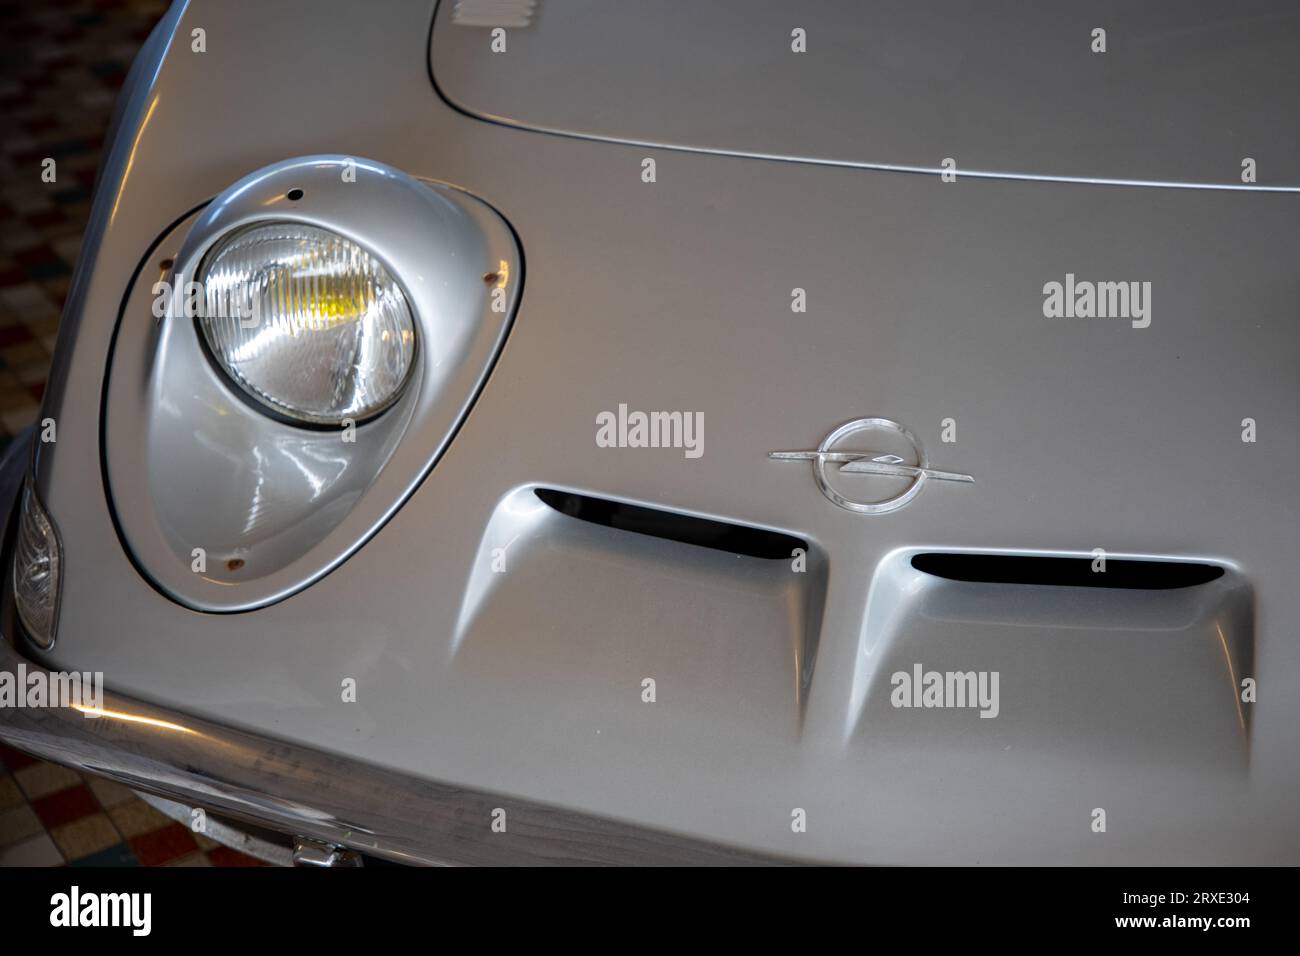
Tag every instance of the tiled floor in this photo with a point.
(63, 64)
(50, 816)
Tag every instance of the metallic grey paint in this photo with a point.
(924, 303)
(1184, 91)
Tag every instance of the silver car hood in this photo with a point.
(925, 303)
(1181, 92)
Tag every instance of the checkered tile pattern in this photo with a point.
(59, 76)
(62, 67)
(53, 816)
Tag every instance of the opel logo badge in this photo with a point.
(905, 466)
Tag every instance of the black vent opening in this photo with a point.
(1066, 572)
(704, 532)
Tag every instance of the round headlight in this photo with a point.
(307, 322)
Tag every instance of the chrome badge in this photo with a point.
(904, 465)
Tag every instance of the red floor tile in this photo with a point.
(224, 856)
(162, 846)
(66, 806)
(14, 335)
(15, 759)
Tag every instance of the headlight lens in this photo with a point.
(307, 322)
(36, 570)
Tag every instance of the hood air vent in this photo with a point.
(688, 529)
(1066, 572)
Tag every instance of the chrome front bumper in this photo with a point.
(305, 792)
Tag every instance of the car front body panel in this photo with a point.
(924, 304)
